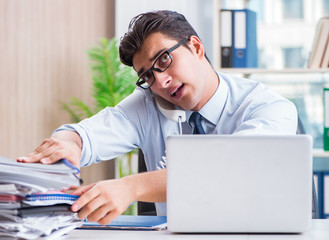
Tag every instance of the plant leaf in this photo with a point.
(112, 81)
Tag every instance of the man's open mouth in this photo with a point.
(178, 91)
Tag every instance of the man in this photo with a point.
(172, 66)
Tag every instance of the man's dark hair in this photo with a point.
(169, 23)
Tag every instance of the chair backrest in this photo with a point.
(144, 208)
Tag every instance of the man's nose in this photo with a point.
(162, 79)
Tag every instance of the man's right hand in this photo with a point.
(62, 144)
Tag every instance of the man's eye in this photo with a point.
(147, 77)
(164, 60)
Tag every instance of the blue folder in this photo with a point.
(245, 54)
(130, 222)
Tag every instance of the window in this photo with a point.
(257, 6)
(293, 57)
(325, 8)
(292, 9)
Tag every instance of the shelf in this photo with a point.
(320, 153)
(249, 71)
(282, 76)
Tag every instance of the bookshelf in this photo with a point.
(304, 86)
(282, 26)
(274, 71)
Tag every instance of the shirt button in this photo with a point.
(174, 133)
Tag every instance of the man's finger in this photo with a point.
(37, 154)
(44, 145)
(109, 217)
(86, 196)
(97, 210)
(81, 190)
(90, 207)
(52, 155)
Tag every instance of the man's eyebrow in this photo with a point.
(157, 54)
(140, 71)
(151, 60)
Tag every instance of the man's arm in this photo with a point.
(62, 144)
(149, 186)
(105, 200)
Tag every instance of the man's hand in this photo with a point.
(103, 201)
(62, 144)
(106, 200)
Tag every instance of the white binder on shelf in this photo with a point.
(226, 38)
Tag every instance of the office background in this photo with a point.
(43, 61)
(43, 58)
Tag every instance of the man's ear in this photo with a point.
(197, 46)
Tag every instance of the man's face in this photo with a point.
(183, 83)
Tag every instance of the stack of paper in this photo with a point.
(31, 205)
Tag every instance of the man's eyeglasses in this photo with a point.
(161, 64)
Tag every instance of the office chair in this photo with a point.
(315, 209)
(144, 208)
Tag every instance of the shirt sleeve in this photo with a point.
(112, 131)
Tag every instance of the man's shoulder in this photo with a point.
(236, 81)
(139, 98)
(247, 90)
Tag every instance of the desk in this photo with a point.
(319, 231)
(321, 169)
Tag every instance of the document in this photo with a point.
(31, 203)
(58, 167)
(38, 176)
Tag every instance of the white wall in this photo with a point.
(198, 12)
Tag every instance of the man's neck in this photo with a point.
(211, 87)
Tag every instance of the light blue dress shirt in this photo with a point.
(239, 106)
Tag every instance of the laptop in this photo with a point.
(239, 184)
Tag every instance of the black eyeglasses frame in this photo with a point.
(140, 80)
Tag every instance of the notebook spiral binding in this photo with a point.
(35, 197)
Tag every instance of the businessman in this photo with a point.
(174, 73)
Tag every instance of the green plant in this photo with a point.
(112, 82)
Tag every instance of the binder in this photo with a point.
(244, 39)
(226, 35)
(325, 59)
(326, 119)
(319, 43)
(43, 210)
